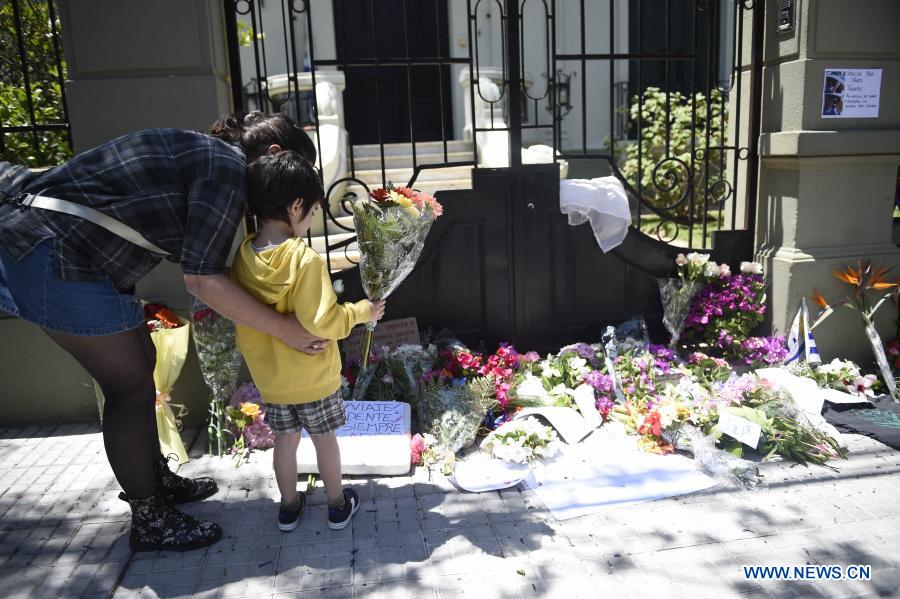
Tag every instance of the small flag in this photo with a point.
(801, 342)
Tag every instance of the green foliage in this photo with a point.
(663, 176)
(43, 79)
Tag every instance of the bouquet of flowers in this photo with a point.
(453, 414)
(220, 363)
(863, 280)
(170, 335)
(843, 375)
(246, 414)
(522, 441)
(678, 293)
(553, 381)
(391, 227)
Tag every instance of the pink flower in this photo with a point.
(862, 386)
(416, 448)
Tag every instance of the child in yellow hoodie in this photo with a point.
(301, 391)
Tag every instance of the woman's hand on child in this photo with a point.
(377, 308)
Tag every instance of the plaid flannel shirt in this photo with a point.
(183, 191)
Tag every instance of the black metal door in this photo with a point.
(503, 264)
(386, 101)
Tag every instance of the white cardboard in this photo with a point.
(375, 440)
(841, 397)
(739, 428)
(489, 474)
(587, 405)
(805, 392)
(602, 471)
(569, 424)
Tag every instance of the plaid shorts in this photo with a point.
(317, 417)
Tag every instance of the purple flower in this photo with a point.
(601, 383)
(584, 351)
(246, 392)
(532, 356)
(258, 435)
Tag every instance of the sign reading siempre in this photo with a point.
(374, 418)
(851, 93)
(375, 439)
(391, 334)
(739, 428)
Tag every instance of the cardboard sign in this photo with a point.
(375, 440)
(851, 93)
(740, 429)
(391, 334)
(375, 418)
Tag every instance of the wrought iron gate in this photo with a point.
(654, 92)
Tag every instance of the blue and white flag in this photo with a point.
(801, 343)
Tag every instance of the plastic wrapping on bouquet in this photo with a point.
(677, 295)
(878, 349)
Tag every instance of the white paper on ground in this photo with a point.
(806, 393)
(532, 389)
(809, 398)
(569, 424)
(489, 474)
(587, 405)
(602, 471)
(842, 397)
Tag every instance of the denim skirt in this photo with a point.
(32, 290)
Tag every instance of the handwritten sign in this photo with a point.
(851, 93)
(375, 440)
(374, 418)
(391, 334)
(740, 429)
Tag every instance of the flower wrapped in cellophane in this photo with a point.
(171, 335)
(220, 363)
(391, 227)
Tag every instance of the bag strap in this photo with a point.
(95, 216)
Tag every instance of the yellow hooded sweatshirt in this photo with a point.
(292, 277)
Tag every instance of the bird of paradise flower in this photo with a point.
(866, 277)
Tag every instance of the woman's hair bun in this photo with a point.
(256, 131)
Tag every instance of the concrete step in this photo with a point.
(339, 261)
(422, 147)
(318, 243)
(405, 160)
(428, 178)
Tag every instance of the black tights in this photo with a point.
(123, 364)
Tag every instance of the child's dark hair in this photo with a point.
(275, 181)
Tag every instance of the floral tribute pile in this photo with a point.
(684, 396)
(698, 395)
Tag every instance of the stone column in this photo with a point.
(133, 65)
(826, 185)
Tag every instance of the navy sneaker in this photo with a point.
(339, 517)
(289, 519)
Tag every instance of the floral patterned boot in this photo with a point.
(178, 489)
(156, 525)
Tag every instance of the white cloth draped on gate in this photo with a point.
(602, 202)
